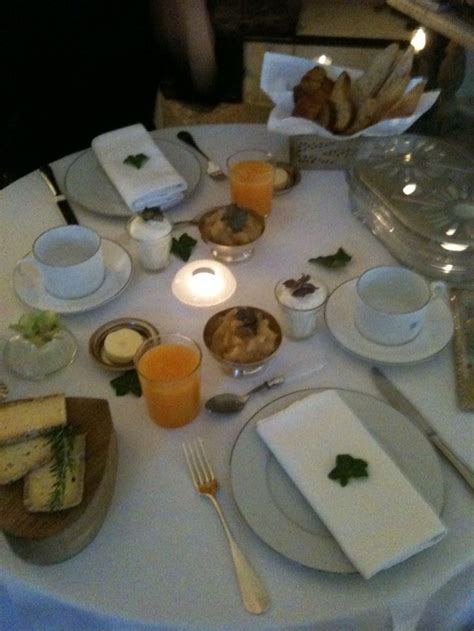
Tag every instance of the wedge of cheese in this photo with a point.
(25, 418)
(40, 483)
(18, 458)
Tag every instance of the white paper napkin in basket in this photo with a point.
(378, 521)
(280, 74)
(156, 183)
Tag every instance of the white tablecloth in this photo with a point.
(161, 560)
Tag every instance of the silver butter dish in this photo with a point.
(416, 194)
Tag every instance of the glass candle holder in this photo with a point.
(203, 283)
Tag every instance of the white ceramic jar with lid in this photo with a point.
(151, 231)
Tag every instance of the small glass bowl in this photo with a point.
(231, 253)
(240, 369)
(37, 362)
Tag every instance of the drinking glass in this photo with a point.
(169, 369)
(251, 175)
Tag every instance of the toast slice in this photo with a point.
(368, 85)
(40, 483)
(26, 418)
(341, 103)
(19, 458)
(407, 104)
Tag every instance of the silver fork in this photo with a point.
(213, 170)
(254, 594)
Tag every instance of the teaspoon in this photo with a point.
(228, 402)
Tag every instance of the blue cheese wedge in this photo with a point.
(40, 483)
(19, 458)
(26, 418)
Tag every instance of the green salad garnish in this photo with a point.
(39, 328)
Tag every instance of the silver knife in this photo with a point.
(67, 212)
(403, 405)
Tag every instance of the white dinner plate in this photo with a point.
(279, 514)
(29, 288)
(88, 185)
(435, 334)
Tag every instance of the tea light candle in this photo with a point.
(203, 283)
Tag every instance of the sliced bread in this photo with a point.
(19, 458)
(25, 418)
(40, 483)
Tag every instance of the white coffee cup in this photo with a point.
(391, 304)
(70, 261)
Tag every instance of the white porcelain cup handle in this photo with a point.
(439, 290)
(28, 269)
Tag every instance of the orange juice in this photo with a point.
(251, 182)
(169, 372)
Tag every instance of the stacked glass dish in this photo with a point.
(416, 194)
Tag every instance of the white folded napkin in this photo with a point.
(156, 183)
(378, 521)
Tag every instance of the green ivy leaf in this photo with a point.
(333, 261)
(235, 217)
(183, 247)
(126, 383)
(137, 160)
(348, 467)
(152, 214)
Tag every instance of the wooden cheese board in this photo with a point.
(45, 538)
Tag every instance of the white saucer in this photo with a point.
(28, 284)
(434, 336)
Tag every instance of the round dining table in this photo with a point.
(160, 559)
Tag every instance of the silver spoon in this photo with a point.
(228, 402)
(213, 170)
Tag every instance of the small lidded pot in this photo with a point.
(301, 302)
(151, 231)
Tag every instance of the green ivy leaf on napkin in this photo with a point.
(348, 467)
(183, 246)
(127, 382)
(137, 160)
(332, 261)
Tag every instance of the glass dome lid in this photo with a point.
(426, 183)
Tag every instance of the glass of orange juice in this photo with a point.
(169, 369)
(251, 175)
